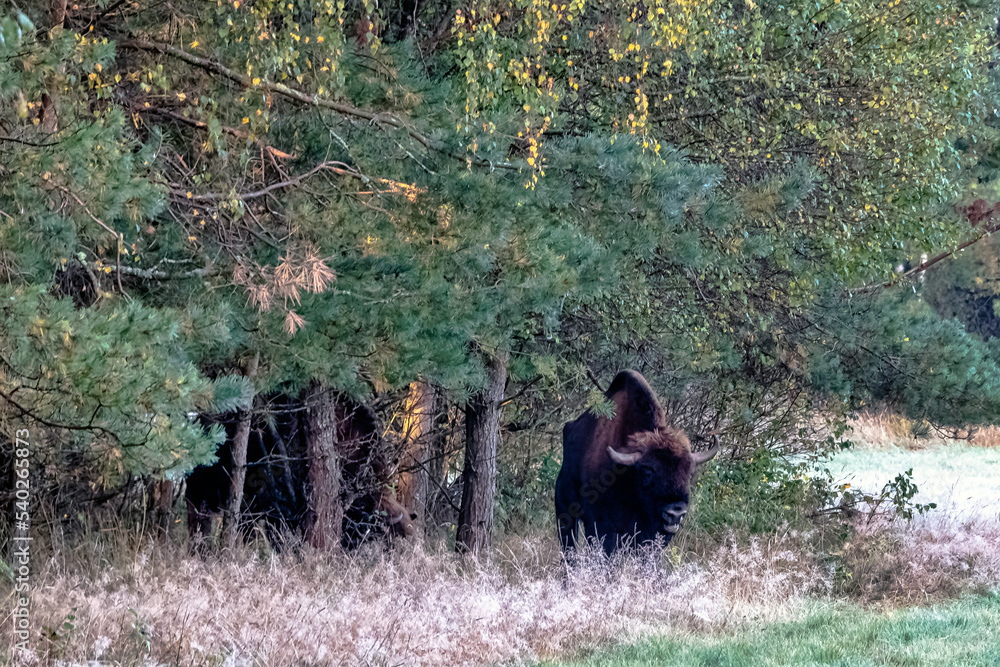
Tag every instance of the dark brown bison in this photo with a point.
(626, 479)
(370, 505)
(275, 490)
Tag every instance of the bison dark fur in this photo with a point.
(625, 479)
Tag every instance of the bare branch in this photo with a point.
(334, 166)
(239, 134)
(92, 216)
(923, 266)
(154, 274)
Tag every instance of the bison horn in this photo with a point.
(624, 459)
(706, 456)
(394, 520)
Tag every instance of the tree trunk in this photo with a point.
(231, 516)
(47, 109)
(161, 505)
(418, 425)
(286, 463)
(325, 517)
(482, 437)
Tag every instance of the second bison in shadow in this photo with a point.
(276, 487)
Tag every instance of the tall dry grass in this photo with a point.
(881, 427)
(408, 606)
(149, 603)
(932, 559)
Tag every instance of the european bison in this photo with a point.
(275, 490)
(625, 478)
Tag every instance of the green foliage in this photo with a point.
(966, 286)
(871, 95)
(758, 494)
(232, 393)
(110, 383)
(524, 491)
(897, 350)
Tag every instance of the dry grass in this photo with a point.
(405, 607)
(413, 606)
(933, 559)
(988, 436)
(879, 428)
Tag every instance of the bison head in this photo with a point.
(398, 520)
(662, 463)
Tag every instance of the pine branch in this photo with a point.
(155, 274)
(374, 117)
(239, 134)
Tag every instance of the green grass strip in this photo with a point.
(959, 634)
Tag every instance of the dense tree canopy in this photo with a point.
(365, 195)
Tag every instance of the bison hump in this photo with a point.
(637, 406)
(637, 410)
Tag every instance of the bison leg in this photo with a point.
(567, 531)
(567, 513)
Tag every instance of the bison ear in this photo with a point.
(701, 458)
(624, 459)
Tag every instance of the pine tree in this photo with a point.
(371, 196)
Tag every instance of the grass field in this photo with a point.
(964, 633)
(963, 479)
(893, 593)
